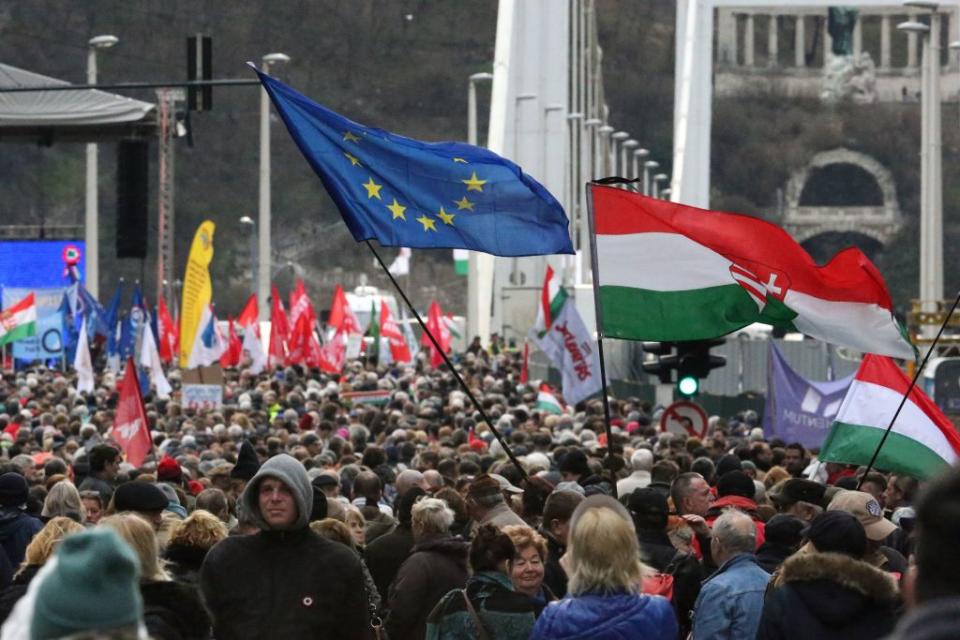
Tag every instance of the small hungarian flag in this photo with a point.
(666, 271)
(547, 401)
(19, 321)
(923, 441)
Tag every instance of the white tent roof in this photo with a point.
(63, 112)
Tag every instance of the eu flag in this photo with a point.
(407, 193)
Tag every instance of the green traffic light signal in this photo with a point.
(688, 386)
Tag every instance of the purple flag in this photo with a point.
(797, 409)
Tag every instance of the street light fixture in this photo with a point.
(657, 179)
(648, 167)
(638, 160)
(626, 155)
(264, 213)
(91, 215)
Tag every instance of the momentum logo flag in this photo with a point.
(923, 441)
(19, 321)
(562, 336)
(407, 193)
(197, 288)
(666, 271)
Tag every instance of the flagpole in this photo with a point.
(446, 359)
(599, 321)
(913, 382)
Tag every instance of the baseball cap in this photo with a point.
(867, 510)
(506, 485)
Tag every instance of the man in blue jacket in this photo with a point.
(731, 600)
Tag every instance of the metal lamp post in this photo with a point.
(931, 171)
(657, 179)
(249, 222)
(648, 167)
(473, 259)
(264, 213)
(91, 218)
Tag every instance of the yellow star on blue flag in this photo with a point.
(508, 213)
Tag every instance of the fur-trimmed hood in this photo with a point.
(846, 572)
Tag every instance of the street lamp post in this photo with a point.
(264, 214)
(603, 150)
(474, 259)
(617, 140)
(626, 158)
(249, 222)
(931, 157)
(91, 218)
(657, 179)
(648, 167)
(639, 157)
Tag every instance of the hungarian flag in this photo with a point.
(130, 423)
(231, 356)
(341, 315)
(19, 321)
(390, 330)
(279, 331)
(166, 332)
(373, 330)
(666, 271)
(923, 441)
(547, 400)
(250, 313)
(438, 328)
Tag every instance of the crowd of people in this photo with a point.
(292, 512)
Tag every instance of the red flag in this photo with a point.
(525, 367)
(390, 330)
(341, 315)
(231, 356)
(167, 333)
(438, 328)
(299, 344)
(250, 313)
(279, 332)
(300, 304)
(130, 423)
(332, 356)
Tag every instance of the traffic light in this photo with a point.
(665, 363)
(695, 362)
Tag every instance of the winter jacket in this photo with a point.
(770, 556)
(656, 548)
(173, 611)
(504, 613)
(284, 583)
(829, 596)
(16, 531)
(617, 616)
(594, 485)
(437, 566)
(184, 562)
(731, 601)
(385, 555)
(554, 576)
(16, 590)
(934, 620)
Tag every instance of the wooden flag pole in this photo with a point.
(446, 359)
(599, 320)
(913, 382)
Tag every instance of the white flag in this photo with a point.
(208, 345)
(82, 363)
(150, 359)
(561, 334)
(401, 264)
(251, 344)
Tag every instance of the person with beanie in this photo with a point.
(91, 585)
(826, 591)
(247, 466)
(143, 498)
(17, 528)
(736, 489)
(316, 585)
(784, 535)
(574, 467)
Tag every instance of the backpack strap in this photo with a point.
(481, 630)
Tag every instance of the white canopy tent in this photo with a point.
(84, 115)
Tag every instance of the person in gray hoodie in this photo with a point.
(284, 581)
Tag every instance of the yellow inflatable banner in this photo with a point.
(197, 288)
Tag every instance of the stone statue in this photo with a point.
(840, 23)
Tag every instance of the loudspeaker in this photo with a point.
(133, 164)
